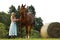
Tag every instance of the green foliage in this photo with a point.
(31, 9)
(5, 18)
(3, 31)
(12, 9)
(34, 34)
(23, 32)
(18, 12)
(38, 23)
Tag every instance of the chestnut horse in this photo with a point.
(26, 20)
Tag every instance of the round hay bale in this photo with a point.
(43, 31)
(51, 30)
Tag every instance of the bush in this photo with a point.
(33, 33)
(3, 31)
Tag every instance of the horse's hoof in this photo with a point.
(28, 37)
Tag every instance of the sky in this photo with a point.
(48, 10)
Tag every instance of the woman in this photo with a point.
(13, 27)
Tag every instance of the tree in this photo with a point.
(38, 23)
(18, 23)
(3, 31)
(12, 9)
(18, 12)
(31, 9)
(5, 18)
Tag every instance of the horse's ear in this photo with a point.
(22, 5)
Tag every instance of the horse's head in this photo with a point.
(23, 10)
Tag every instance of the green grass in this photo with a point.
(32, 39)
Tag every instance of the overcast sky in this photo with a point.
(48, 10)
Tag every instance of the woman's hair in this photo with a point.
(13, 13)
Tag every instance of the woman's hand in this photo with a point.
(17, 19)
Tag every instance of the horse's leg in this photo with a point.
(21, 31)
(28, 31)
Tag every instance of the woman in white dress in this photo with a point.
(13, 27)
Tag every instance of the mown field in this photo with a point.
(32, 39)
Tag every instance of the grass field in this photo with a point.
(33, 39)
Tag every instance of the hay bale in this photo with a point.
(43, 31)
(51, 30)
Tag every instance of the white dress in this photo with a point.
(13, 29)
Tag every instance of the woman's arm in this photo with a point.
(14, 19)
